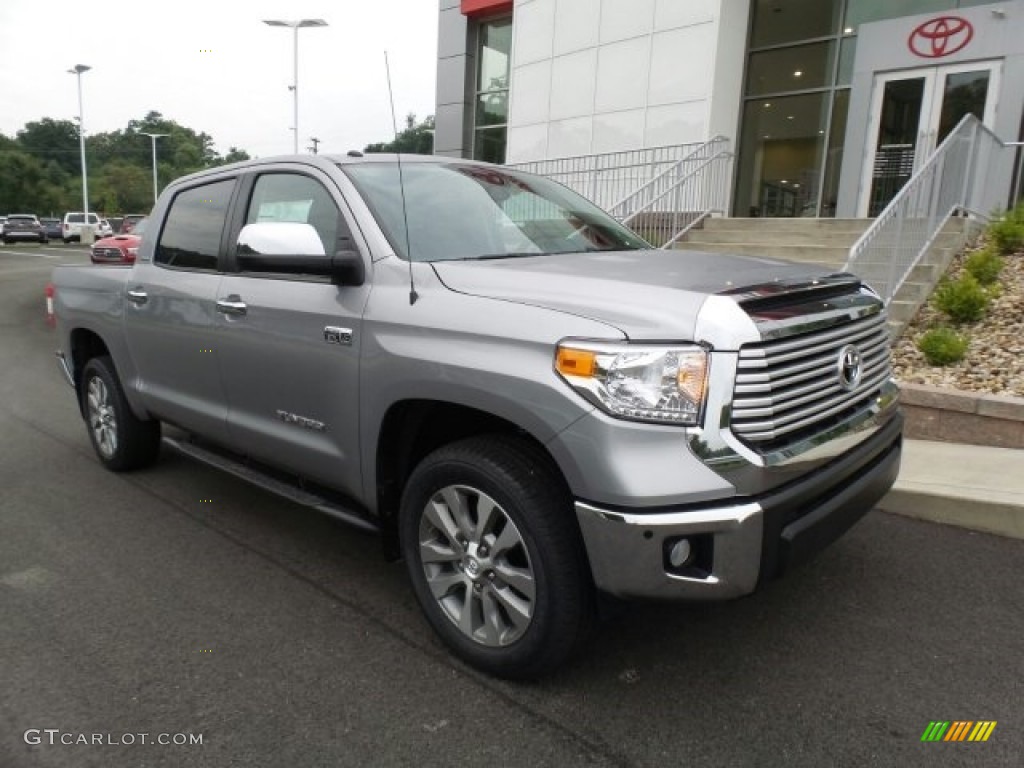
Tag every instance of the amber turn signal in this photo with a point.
(576, 362)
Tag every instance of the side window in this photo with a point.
(191, 235)
(296, 198)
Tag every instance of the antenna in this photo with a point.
(401, 183)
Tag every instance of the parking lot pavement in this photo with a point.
(180, 600)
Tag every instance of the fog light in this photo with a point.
(680, 553)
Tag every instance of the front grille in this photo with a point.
(107, 254)
(788, 387)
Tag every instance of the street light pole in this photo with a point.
(153, 137)
(295, 26)
(78, 70)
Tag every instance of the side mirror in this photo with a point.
(294, 248)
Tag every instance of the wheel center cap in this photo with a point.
(472, 567)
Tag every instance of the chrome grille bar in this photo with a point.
(791, 384)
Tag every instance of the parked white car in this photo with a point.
(73, 223)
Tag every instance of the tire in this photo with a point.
(506, 586)
(121, 440)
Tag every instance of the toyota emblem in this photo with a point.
(942, 36)
(849, 367)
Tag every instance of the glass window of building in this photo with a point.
(781, 150)
(799, 71)
(491, 109)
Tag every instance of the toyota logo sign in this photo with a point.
(942, 36)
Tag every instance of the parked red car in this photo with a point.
(129, 221)
(119, 249)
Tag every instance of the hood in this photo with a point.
(118, 241)
(651, 295)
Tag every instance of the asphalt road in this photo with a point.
(181, 601)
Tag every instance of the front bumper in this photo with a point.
(745, 541)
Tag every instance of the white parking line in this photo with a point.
(64, 250)
(29, 253)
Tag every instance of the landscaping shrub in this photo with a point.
(985, 265)
(943, 346)
(964, 300)
(1007, 234)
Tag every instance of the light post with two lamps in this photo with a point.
(295, 26)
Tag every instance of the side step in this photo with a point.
(270, 483)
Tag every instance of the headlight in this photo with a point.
(645, 382)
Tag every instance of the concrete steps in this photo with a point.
(827, 242)
(812, 241)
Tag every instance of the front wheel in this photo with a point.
(495, 555)
(122, 441)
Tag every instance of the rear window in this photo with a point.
(16, 218)
(192, 232)
(76, 218)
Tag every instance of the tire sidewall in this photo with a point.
(102, 369)
(437, 472)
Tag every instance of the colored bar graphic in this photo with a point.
(958, 730)
(935, 730)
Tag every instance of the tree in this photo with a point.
(23, 177)
(50, 139)
(234, 155)
(416, 139)
(40, 169)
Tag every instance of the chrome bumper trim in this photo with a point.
(65, 369)
(627, 560)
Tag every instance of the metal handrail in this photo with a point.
(694, 197)
(662, 195)
(950, 181)
(608, 177)
(623, 208)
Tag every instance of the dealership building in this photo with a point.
(828, 106)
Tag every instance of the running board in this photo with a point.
(272, 484)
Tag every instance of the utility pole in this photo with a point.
(316, 144)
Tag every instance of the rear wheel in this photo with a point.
(121, 440)
(495, 556)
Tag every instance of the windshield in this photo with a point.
(463, 211)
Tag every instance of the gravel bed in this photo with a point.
(995, 357)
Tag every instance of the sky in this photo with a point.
(216, 67)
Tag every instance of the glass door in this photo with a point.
(912, 112)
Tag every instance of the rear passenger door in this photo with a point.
(289, 348)
(170, 313)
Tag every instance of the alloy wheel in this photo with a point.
(477, 565)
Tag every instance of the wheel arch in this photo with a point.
(85, 345)
(413, 428)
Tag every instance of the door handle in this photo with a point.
(232, 305)
(138, 296)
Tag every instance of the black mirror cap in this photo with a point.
(345, 267)
(348, 268)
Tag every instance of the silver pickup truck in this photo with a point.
(531, 405)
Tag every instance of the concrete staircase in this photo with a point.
(827, 242)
